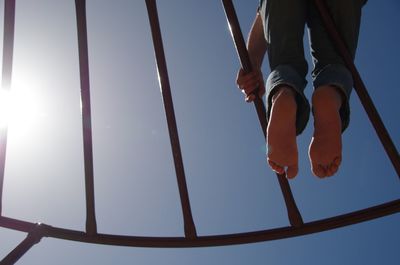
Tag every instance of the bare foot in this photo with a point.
(325, 149)
(281, 133)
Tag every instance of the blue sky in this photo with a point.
(230, 187)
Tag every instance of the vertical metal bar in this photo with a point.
(293, 212)
(8, 50)
(91, 227)
(359, 87)
(31, 239)
(190, 230)
(241, 50)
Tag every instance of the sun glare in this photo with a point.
(19, 109)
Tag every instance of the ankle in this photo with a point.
(326, 102)
(283, 91)
(285, 96)
(327, 98)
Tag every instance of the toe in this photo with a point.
(332, 169)
(292, 171)
(275, 167)
(321, 171)
(337, 161)
(318, 170)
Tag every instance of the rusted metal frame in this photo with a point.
(359, 87)
(352, 218)
(293, 212)
(15, 224)
(8, 51)
(31, 239)
(91, 227)
(189, 227)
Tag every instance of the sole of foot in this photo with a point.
(282, 154)
(325, 150)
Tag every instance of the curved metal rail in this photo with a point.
(43, 230)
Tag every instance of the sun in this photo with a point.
(19, 109)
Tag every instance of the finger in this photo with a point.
(243, 77)
(250, 98)
(252, 93)
(256, 89)
(252, 84)
(248, 83)
(249, 88)
(261, 89)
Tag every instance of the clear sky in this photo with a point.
(230, 186)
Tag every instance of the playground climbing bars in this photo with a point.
(35, 232)
(91, 227)
(295, 218)
(190, 230)
(8, 51)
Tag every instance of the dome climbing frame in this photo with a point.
(36, 231)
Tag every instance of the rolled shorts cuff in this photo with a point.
(339, 76)
(287, 75)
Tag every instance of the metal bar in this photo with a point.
(91, 227)
(359, 87)
(8, 51)
(17, 225)
(294, 215)
(352, 218)
(189, 227)
(32, 238)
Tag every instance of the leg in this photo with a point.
(333, 83)
(287, 108)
